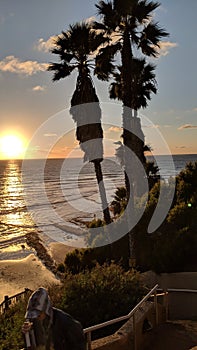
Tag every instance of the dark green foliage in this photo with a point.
(73, 261)
(101, 294)
(109, 244)
(85, 259)
(186, 188)
(96, 223)
(183, 214)
(97, 237)
(173, 246)
(118, 205)
(143, 83)
(10, 327)
(61, 268)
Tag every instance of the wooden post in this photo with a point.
(166, 304)
(156, 308)
(6, 302)
(88, 343)
(134, 332)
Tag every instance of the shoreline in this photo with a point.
(34, 241)
(38, 268)
(51, 253)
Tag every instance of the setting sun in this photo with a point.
(11, 146)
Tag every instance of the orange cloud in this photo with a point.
(14, 65)
(164, 47)
(47, 45)
(38, 88)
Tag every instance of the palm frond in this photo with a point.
(63, 41)
(104, 61)
(124, 8)
(75, 48)
(148, 72)
(105, 8)
(103, 69)
(98, 26)
(97, 40)
(64, 56)
(143, 10)
(148, 49)
(150, 39)
(110, 17)
(153, 33)
(61, 70)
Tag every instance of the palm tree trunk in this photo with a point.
(126, 56)
(133, 139)
(86, 113)
(140, 159)
(99, 177)
(128, 137)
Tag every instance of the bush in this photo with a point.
(10, 327)
(61, 268)
(80, 260)
(172, 247)
(101, 294)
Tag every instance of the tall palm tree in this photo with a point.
(75, 49)
(130, 22)
(133, 29)
(143, 84)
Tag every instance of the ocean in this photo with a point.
(58, 198)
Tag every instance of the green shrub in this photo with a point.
(101, 294)
(80, 260)
(10, 327)
(61, 268)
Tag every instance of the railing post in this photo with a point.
(134, 332)
(88, 341)
(166, 303)
(156, 308)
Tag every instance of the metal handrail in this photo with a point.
(121, 318)
(88, 330)
(182, 290)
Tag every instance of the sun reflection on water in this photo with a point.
(15, 221)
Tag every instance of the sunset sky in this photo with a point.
(29, 98)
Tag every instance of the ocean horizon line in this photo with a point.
(107, 157)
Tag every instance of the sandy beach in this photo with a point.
(58, 251)
(30, 272)
(16, 275)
